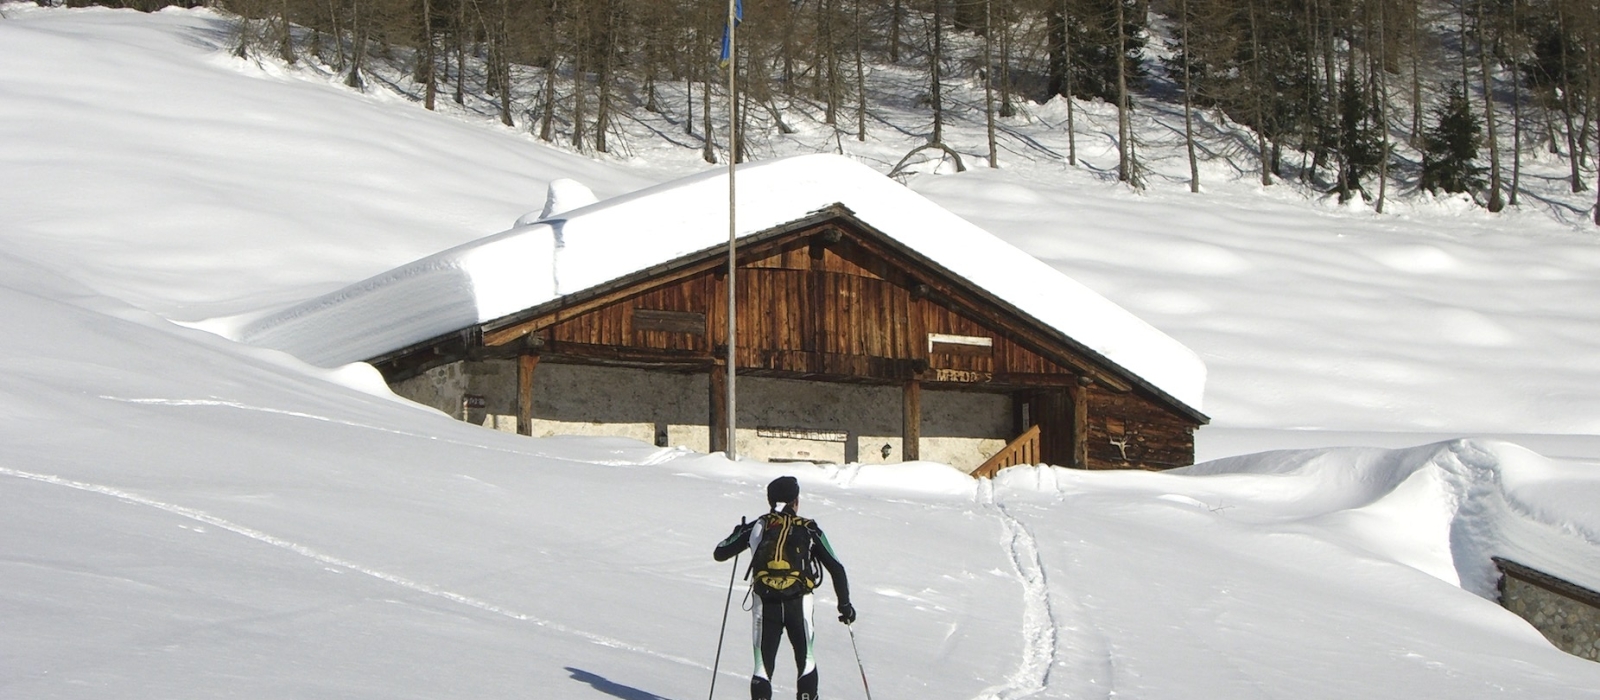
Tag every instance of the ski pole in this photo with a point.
(725, 605)
(863, 669)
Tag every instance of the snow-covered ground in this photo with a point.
(182, 516)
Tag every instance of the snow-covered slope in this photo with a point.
(186, 517)
(151, 163)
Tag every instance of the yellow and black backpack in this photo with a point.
(783, 566)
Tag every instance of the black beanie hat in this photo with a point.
(784, 489)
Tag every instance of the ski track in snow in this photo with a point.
(1038, 626)
(1091, 667)
(330, 560)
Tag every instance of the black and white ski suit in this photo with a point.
(774, 617)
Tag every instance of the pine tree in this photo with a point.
(1450, 146)
(1360, 143)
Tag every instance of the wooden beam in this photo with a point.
(911, 422)
(689, 322)
(718, 420)
(578, 352)
(526, 364)
(1079, 396)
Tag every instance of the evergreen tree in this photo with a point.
(1450, 146)
(1360, 143)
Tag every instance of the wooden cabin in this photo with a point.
(825, 299)
(853, 345)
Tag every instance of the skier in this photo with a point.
(787, 550)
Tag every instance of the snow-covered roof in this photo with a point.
(532, 264)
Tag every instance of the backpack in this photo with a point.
(783, 566)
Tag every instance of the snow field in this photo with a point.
(186, 517)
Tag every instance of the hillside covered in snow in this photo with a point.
(1396, 398)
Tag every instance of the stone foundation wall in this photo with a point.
(1566, 614)
(779, 419)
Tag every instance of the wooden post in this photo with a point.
(911, 422)
(1079, 393)
(717, 422)
(525, 366)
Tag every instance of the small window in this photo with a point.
(975, 345)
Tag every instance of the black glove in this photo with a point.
(742, 530)
(847, 613)
(738, 541)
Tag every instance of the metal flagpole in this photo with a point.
(733, 151)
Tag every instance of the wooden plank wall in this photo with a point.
(812, 310)
(1154, 438)
(834, 310)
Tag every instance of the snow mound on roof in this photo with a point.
(563, 195)
(588, 246)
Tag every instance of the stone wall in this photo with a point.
(1566, 614)
(779, 419)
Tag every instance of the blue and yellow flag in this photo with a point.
(738, 17)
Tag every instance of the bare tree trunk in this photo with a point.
(425, 59)
(1496, 201)
(936, 89)
(285, 36)
(547, 116)
(1008, 108)
(1593, 35)
(1516, 103)
(835, 74)
(1127, 168)
(1574, 147)
(1416, 72)
(708, 150)
(1574, 137)
(861, 76)
(1380, 76)
(1188, 99)
(1330, 64)
(608, 51)
(461, 52)
(1313, 93)
(988, 80)
(1260, 110)
(936, 94)
(242, 41)
(358, 48)
(1341, 178)
(1066, 49)
(582, 33)
(896, 15)
(338, 32)
(501, 55)
(741, 113)
(1466, 77)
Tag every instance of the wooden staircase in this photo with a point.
(1023, 450)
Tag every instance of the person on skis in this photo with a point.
(788, 550)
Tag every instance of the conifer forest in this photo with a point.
(1353, 97)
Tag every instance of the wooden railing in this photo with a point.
(1023, 450)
